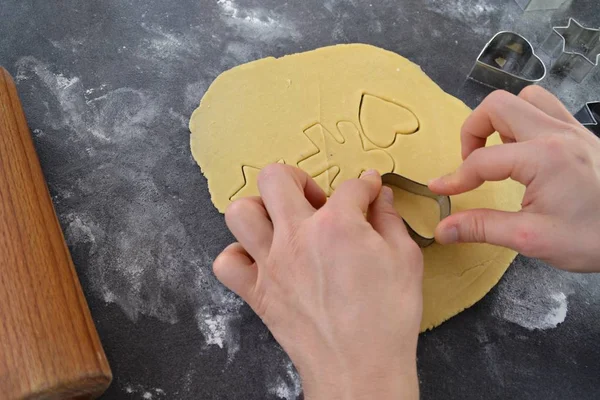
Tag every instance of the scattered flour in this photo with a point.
(146, 394)
(91, 91)
(139, 251)
(162, 45)
(558, 314)
(462, 9)
(215, 323)
(188, 380)
(214, 329)
(68, 44)
(544, 313)
(491, 350)
(533, 296)
(570, 93)
(257, 23)
(184, 121)
(288, 386)
(252, 17)
(119, 115)
(193, 95)
(476, 13)
(330, 5)
(240, 51)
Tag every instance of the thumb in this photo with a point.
(237, 271)
(519, 231)
(356, 194)
(384, 218)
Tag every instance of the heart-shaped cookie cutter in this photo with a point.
(589, 116)
(401, 182)
(574, 48)
(508, 62)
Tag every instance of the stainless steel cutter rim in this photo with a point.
(565, 57)
(587, 116)
(504, 71)
(514, 83)
(419, 189)
(593, 60)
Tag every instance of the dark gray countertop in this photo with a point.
(108, 87)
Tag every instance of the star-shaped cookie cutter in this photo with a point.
(574, 48)
(399, 181)
(589, 116)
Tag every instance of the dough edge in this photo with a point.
(490, 275)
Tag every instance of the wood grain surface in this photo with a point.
(49, 347)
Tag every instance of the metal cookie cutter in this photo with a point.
(589, 116)
(411, 186)
(538, 5)
(575, 48)
(508, 62)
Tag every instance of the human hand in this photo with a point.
(340, 292)
(554, 156)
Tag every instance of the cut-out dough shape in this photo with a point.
(250, 187)
(346, 151)
(382, 120)
(326, 178)
(252, 115)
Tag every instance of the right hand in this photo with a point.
(554, 156)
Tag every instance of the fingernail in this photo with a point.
(387, 194)
(440, 181)
(369, 172)
(449, 235)
(434, 181)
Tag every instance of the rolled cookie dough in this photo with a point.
(336, 112)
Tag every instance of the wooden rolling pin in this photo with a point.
(49, 347)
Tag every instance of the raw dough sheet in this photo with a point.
(335, 112)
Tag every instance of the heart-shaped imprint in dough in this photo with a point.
(382, 120)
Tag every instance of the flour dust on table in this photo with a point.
(257, 23)
(534, 297)
(148, 265)
(286, 386)
(144, 393)
(478, 15)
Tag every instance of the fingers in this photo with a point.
(248, 221)
(520, 231)
(236, 270)
(548, 103)
(513, 117)
(289, 192)
(355, 195)
(385, 220)
(514, 160)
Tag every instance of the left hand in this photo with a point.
(340, 291)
